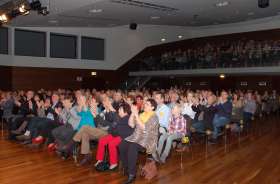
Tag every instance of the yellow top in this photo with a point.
(145, 116)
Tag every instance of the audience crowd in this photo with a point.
(240, 53)
(124, 123)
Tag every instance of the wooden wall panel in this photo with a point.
(53, 78)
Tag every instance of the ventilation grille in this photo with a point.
(145, 5)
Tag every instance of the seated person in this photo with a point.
(237, 108)
(7, 105)
(249, 109)
(222, 116)
(88, 133)
(145, 136)
(177, 129)
(41, 127)
(163, 112)
(117, 133)
(27, 108)
(188, 107)
(208, 115)
(69, 116)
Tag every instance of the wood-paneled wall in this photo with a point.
(54, 78)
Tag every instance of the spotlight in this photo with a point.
(23, 10)
(4, 18)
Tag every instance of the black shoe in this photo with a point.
(131, 179)
(64, 155)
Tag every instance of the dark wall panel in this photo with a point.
(3, 40)
(63, 46)
(30, 43)
(93, 48)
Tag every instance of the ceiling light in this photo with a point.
(222, 4)
(155, 17)
(163, 40)
(222, 76)
(180, 36)
(93, 73)
(95, 11)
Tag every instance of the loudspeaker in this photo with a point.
(133, 26)
(263, 3)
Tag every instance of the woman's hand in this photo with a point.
(134, 110)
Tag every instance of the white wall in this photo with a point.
(121, 44)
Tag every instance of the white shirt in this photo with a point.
(187, 110)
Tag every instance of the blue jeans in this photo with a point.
(219, 121)
(247, 117)
(199, 126)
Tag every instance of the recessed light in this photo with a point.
(95, 11)
(155, 17)
(222, 4)
(163, 40)
(251, 13)
(180, 36)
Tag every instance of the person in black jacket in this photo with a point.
(119, 131)
(27, 108)
(208, 115)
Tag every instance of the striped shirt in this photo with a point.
(178, 125)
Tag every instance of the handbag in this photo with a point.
(149, 170)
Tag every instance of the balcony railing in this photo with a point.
(252, 58)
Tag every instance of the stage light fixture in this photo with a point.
(3, 18)
(23, 9)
